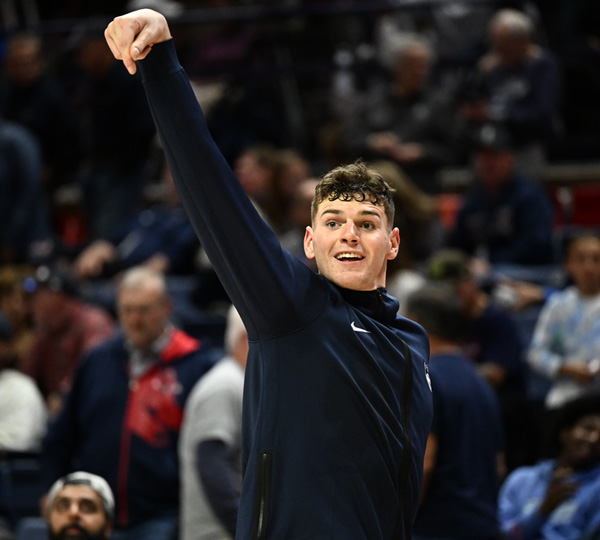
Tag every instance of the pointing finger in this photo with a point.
(131, 37)
(119, 35)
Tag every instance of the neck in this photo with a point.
(589, 292)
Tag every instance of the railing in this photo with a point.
(257, 12)
(553, 175)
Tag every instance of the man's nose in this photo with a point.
(350, 232)
(73, 510)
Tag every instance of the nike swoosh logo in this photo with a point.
(357, 329)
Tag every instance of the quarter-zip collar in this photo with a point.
(377, 304)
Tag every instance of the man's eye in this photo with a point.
(62, 505)
(368, 225)
(88, 507)
(331, 224)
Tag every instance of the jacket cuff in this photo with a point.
(161, 62)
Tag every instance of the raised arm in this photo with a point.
(274, 292)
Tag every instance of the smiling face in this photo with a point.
(351, 242)
(581, 442)
(583, 264)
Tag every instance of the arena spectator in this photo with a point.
(160, 236)
(566, 342)
(211, 443)
(504, 218)
(491, 339)
(557, 499)
(23, 414)
(493, 344)
(518, 85)
(80, 505)
(122, 417)
(65, 328)
(25, 232)
(33, 97)
(457, 30)
(406, 119)
(15, 301)
(464, 460)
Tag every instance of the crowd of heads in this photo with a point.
(289, 190)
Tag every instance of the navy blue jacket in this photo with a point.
(461, 499)
(514, 226)
(323, 429)
(159, 229)
(127, 432)
(23, 209)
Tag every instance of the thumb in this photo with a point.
(154, 30)
(141, 45)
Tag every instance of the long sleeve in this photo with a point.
(532, 241)
(27, 217)
(539, 110)
(547, 339)
(60, 441)
(244, 252)
(514, 522)
(219, 481)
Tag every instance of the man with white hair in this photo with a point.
(211, 443)
(518, 85)
(121, 419)
(405, 118)
(81, 506)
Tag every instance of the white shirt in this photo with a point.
(567, 332)
(23, 413)
(213, 411)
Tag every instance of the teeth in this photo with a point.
(353, 256)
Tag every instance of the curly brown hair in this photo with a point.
(355, 181)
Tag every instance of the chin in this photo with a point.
(83, 535)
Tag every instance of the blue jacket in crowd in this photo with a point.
(514, 226)
(127, 430)
(525, 489)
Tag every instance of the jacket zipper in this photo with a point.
(263, 492)
(380, 311)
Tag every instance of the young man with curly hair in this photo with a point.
(337, 407)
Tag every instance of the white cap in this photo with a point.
(95, 482)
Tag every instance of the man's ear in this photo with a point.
(394, 244)
(308, 243)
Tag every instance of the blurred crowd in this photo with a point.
(111, 315)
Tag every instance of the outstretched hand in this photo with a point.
(131, 37)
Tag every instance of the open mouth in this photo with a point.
(349, 257)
